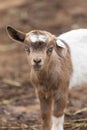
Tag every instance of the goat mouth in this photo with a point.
(37, 67)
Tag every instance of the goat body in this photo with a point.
(77, 42)
(55, 64)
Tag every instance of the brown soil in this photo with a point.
(19, 107)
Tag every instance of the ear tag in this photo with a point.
(60, 43)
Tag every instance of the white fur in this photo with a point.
(57, 123)
(60, 43)
(42, 38)
(35, 38)
(77, 41)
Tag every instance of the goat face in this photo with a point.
(39, 46)
(38, 49)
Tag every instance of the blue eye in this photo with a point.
(27, 49)
(50, 49)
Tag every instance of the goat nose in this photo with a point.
(37, 61)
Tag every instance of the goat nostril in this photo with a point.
(37, 61)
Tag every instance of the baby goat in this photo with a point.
(55, 64)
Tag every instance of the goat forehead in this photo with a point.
(37, 37)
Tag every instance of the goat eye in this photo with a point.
(50, 49)
(27, 49)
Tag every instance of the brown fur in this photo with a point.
(52, 81)
(52, 85)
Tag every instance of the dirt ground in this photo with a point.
(19, 107)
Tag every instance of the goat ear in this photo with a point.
(15, 34)
(61, 48)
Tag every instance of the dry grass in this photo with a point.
(76, 123)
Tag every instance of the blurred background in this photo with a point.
(19, 108)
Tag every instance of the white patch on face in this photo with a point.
(35, 38)
(42, 38)
(57, 123)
